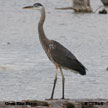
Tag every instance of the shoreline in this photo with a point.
(56, 103)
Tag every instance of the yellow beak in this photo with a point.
(28, 7)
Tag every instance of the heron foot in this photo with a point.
(62, 98)
(49, 99)
(52, 99)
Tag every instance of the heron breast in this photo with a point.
(50, 57)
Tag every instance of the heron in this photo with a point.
(60, 56)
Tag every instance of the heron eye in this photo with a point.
(35, 5)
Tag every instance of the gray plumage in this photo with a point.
(57, 53)
(65, 58)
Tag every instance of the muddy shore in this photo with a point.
(56, 103)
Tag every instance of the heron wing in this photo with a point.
(65, 58)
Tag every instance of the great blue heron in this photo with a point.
(57, 53)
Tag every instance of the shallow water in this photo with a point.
(26, 72)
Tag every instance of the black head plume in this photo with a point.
(37, 4)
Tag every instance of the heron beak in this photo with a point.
(28, 7)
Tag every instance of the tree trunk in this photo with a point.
(82, 6)
(105, 2)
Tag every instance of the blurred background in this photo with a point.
(26, 72)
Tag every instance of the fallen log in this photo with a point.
(82, 6)
(105, 2)
(79, 6)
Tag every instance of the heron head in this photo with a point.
(36, 6)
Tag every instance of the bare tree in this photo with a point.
(82, 6)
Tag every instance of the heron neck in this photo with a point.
(40, 26)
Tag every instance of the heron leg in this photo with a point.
(63, 81)
(54, 82)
